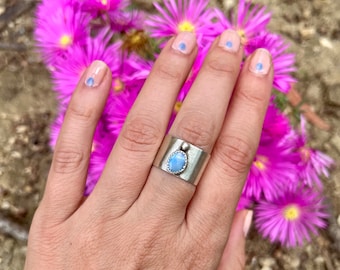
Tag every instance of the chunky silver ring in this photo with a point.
(181, 159)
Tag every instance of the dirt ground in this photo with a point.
(27, 107)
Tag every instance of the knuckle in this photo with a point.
(169, 71)
(197, 129)
(219, 67)
(140, 134)
(234, 155)
(252, 97)
(81, 113)
(68, 160)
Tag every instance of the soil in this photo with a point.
(27, 107)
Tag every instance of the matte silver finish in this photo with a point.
(196, 162)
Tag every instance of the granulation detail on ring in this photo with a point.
(181, 159)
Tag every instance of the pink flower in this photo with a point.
(183, 16)
(249, 22)
(67, 71)
(291, 218)
(273, 168)
(312, 163)
(59, 27)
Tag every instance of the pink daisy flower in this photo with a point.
(67, 72)
(58, 28)
(250, 20)
(283, 62)
(291, 218)
(312, 163)
(183, 16)
(273, 168)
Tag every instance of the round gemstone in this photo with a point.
(177, 162)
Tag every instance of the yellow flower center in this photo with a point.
(177, 106)
(136, 39)
(260, 162)
(291, 212)
(118, 85)
(104, 2)
(243, 36)
(65, 41)
(186, 26)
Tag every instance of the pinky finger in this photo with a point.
(234, 257)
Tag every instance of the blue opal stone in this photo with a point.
(259, 66)
(182, 46)
(177, 162)
(90, 82)
(229, 44)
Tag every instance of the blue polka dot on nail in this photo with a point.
(229, 44)
(182, 46)
(90, 82)
(259, 66)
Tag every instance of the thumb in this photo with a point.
(234, 257)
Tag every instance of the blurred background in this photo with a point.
(27, 107)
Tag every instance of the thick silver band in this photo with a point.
(193, 159)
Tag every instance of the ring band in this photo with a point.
(181, 159)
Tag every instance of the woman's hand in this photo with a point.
(139, 216)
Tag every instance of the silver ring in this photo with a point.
(181, 159)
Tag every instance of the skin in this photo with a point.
(138, 216)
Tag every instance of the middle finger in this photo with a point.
(200, 119)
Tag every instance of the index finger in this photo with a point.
(66, 179)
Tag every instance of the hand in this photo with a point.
(139, 216)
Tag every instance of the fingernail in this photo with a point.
(230, 41)
(95, 74)
(184, 42)
(247, 222)
(260, 62)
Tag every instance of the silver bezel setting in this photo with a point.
(185, 162)
(196, 159)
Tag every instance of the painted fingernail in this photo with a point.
(95, 74)
(247, 222)
(230, 41)
(260, 62)
(184, 42)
